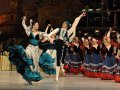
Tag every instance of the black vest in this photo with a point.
(66, 35)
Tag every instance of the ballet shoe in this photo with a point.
(56, 80)
(63, 72)
(29, 82)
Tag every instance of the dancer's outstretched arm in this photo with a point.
(46, 30)
(108, 34)
(75, 23)
(30, 27)
(53, 32)
(72, 36)
(27, 29)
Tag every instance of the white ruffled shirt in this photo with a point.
(71, 31)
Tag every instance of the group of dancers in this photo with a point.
(97, 55)
(45, 51)
(60, 50)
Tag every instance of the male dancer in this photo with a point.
(62, 39)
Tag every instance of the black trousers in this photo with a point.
(61, 52)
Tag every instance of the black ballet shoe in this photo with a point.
(29, 82)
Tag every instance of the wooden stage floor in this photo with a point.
(10, 80)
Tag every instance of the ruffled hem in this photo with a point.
(46, 64)
(93, 74)
(82, 69)
(88, 73)
(18, 57)
(107, 76)
(95, 71)
(75, 71)
(117, 78)
(17, 54)
(32, 76)
(67, 68)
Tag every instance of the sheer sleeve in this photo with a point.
(27, 29)
(53, 32)
(74, 25)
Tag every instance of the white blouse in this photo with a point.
(29, 29)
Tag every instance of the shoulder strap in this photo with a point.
(71, 34)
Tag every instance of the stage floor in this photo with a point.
(10, 80)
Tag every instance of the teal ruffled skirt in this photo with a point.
(46, 63)
(18, 57)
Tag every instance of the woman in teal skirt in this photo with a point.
(29, 60)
